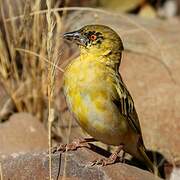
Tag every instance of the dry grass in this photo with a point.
(51, 80)
(24, 74)
(1, 173)
(29, 59)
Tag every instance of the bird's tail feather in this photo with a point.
(147, 161)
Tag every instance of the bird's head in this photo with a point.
(97, 39)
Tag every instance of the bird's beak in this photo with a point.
(77, 37)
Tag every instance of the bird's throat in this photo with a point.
(105, 56)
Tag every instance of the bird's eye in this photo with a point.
(93, 37)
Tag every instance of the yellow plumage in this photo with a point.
(96, 94)
(90, 87)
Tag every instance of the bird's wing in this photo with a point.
(125, 104)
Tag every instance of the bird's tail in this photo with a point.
(147, 161)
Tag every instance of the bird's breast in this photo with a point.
(89, 90)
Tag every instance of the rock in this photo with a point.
(157, 101)
(35, 166)
(22, 133)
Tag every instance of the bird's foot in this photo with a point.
(105, 161)
(111, 160)
(76, 143)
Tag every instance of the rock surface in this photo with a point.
(157, 100)
(22, 133)
(71, 165)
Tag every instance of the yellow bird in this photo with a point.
(97, 96)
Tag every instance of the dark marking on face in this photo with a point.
(94, 37)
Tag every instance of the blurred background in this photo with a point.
(33, 56)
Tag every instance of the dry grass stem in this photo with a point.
(1, 173)
(65, 158)
(41, 58)
(51, 80)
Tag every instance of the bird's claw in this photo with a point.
(103, 162)
(100, 162)
(78, 143)
(61, 147)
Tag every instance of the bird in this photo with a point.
(97, 96)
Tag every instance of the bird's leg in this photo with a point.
(111, 160)
(76, 143)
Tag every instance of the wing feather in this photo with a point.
(126, 104)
